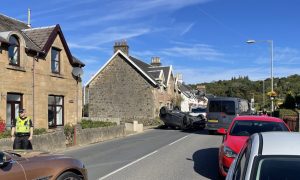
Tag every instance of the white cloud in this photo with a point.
(187, 29)
(196, 52)
(286, 55)
(282, 56)
(91, 60)
(83, 46)
(137, 9)
(112, 34)
(280, 71)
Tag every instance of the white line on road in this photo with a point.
(104, 177)
(178, 140)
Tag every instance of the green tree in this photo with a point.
(289, 101)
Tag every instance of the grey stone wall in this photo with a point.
(45, 142)
(93, 135)
(119, 91)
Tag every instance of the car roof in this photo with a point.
(258, 118)
(280, 143)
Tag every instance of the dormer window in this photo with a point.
(14, 51)
(55, 60)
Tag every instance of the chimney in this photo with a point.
(28, 20)
(121, 45)
(179, 78)
(155, 61)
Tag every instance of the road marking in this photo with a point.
(106, 176)
(178, 140)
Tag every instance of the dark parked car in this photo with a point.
(37, 165)
(177, 119)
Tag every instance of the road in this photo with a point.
(153, 155)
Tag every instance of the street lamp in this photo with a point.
(272, 86)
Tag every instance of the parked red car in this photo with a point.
(238, 132)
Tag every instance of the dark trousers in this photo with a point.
(22, 143)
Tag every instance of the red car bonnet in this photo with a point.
(235, 142)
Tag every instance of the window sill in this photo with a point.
(16, 68)
(57, 75)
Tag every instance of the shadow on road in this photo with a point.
(191, 130)
(206, 163)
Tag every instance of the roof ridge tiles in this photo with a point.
(37, 28)
(160, 66)
(155, 70)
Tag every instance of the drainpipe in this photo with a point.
(35, 58)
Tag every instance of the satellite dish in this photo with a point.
(77, 71)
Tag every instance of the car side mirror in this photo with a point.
(3, 159)
(222, 131)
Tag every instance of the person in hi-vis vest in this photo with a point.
(22, 131)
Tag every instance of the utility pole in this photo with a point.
(264, 94)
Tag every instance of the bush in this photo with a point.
(69, 133)
(5, 134)
(287, 112)
(95, 124)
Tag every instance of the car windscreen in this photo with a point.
(247, 128)
(227, 107)
(285, 167)
(198, 110)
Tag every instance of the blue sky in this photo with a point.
(203, 39)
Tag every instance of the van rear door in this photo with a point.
(220, 113)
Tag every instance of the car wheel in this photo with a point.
(201, 116)
(69, 176)
(163, 112)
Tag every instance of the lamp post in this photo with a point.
(271, 47)
(264, 94)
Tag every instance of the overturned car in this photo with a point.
(182, 120)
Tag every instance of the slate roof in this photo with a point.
(155, 74)
(165, 69)
(39, 36)
(36, 39)
(148, 69)
(76, 60)
(185, 89)
(11, 24)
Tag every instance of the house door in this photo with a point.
(14, 103)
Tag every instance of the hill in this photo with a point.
(243, 87)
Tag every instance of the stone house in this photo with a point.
(36, 68)
(130, 89)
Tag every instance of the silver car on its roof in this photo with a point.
(269, 155)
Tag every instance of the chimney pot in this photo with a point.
(121, 45)
(155, 61)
